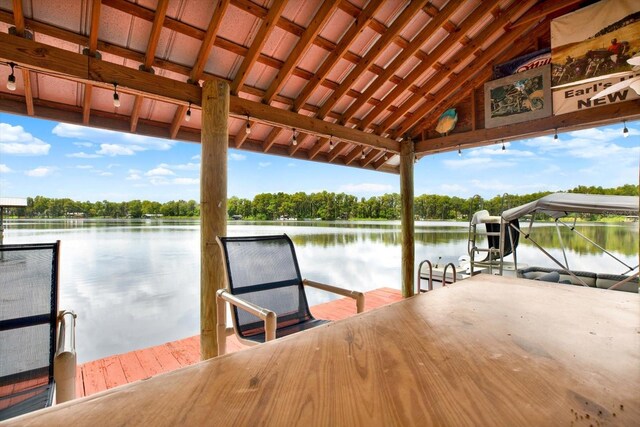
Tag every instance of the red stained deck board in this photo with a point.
(139, 364)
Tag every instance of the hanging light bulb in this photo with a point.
(331, 143)
(11, 80)
(625, 131)
(555, 134)
(459, 151)
(386, 156)
(247, 128)
(187, 116)
(294, 138)
(363, 155)
(503, 147)
(116, 97)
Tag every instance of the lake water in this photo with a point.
(136, 283)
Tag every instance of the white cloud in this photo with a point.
(160, 171)
(83, 144)
(40, 171)
(5, 169)
(14, 140)
(365, 188)
(186, 181)
(113, 165)
(84, 167)
(452, 189)
(264, 164)
(115, 150)
(183, 167)
(485, 162)
(237, 157)
(134, 175)
(102, 136)
(498, 151)
(105, 174)
(83, 155)
(196, 157)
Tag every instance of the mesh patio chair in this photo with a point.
(266, 291)
(29, 323)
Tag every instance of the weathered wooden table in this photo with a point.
(485, 351)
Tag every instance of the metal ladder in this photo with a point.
(430, 278)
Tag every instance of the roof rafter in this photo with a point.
(433, 57)
(304, 43)
(356, 28)
(436, 22)
(471, 48)
(541, 10)
(372, 54)
(154, 37)
(260, 39)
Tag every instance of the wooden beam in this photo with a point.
(240, 107)
(201, 59)
(76, 67)
(473, 47)
(271, 138)
(341, 48)
(242, 135)
(431, 61)
(304, 43)
(597, 116)
(93, 46)
(355, 153)
(541, 10)
(372, 54)
(416, 43)
(213, 208)
(317, 148)
(18, 17)
(407, 157)
(260, 39)
(337, 150)
(150, 55)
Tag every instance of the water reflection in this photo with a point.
(136, 283)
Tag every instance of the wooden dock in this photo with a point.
(112, 371)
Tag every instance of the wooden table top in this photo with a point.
(485, 351)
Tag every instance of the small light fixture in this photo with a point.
(625, 131)
(331, 143)
(187, 116)
(555, 134)
(386, 156)
(11, 80)
(116, 97)
(294, 138)
(503, 147)
(362, 156)
(459, 151)
(247, 128)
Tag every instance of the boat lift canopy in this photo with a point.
(559, 205)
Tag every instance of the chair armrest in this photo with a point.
(64, 364)
(269, 317)
(358, 296)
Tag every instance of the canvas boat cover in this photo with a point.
(562, 204)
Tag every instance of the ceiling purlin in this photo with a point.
(18, 17)
(447, 70)
(521, 45)
(197, 71)
(431, 61)
(260, 39)
(372, 54)
(150, 54)
(541, 10)
(356, 152)
(420, 39)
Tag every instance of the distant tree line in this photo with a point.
(273, 206)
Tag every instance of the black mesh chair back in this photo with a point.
(263, 270)
(28, 311)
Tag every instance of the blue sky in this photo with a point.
(39, 157)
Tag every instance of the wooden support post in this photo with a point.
(213, 207)
(407, 156)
